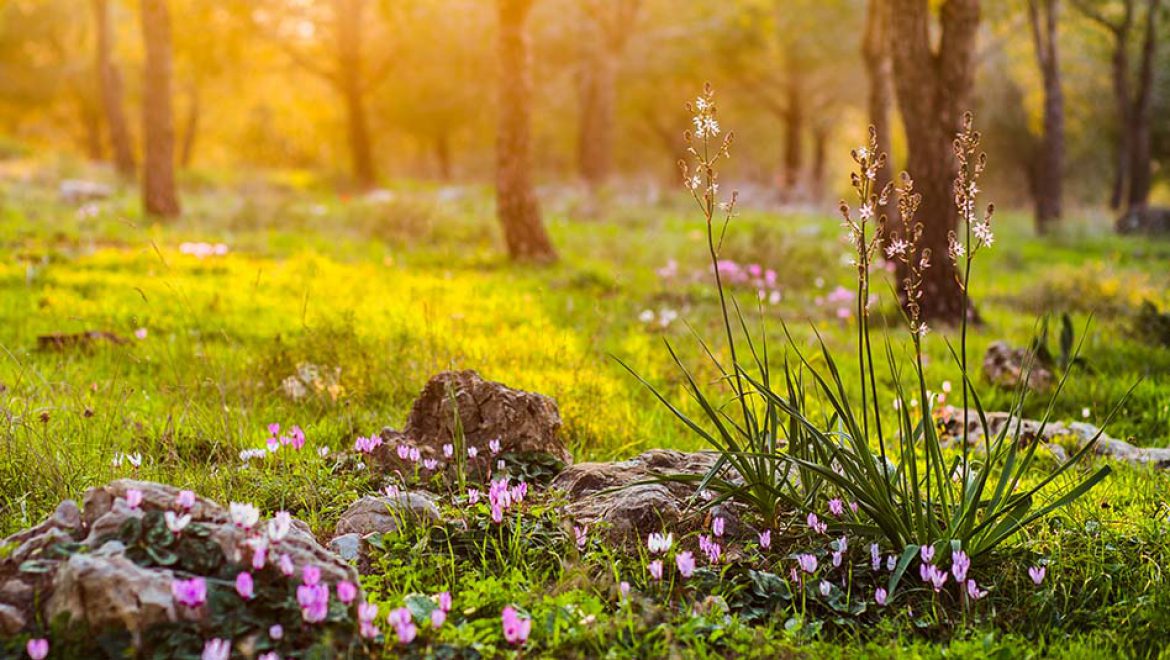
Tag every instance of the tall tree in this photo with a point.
(607, 28)
(110, 87)
(875, 51)
(1048, 168)
(158, 127)
(1132, 176)
(516, 203)
(933, 86)
(331, 40)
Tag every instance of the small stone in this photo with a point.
(382, 514)
(347, 546)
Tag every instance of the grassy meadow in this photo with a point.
(358, 300)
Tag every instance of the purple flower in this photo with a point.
(217, 649)
(815, 524)
(346, 591)
(444, 599)
(403, 451)
(717, 526)
(930, 573)
(191, 593)
(686, 563)
(766, 539)
(430, 464)
(825, 588)
(974, 592)
(274, 429)
(655, 568)
(286, 565)
(298, 437)
(37, 648)
(276, 631)
(836, 507)
(960, 564)
(367, 612)
(133, 498)
(311, 575)
(927, 552)
(185, 500)
(448, 450)
(837, 558)
(414, 456)
(807, 562)
(1037, 574)
(854, 506)
(473, 496)
(494, 446)
(497, 515)
(516, 629)
(875, 556)
(438, 618)
(314, 602)
(582, 534)
(624, 589)
(245, 586)
(880, 596)
(659, 543)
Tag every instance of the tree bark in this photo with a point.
(875, 50)
(516, 204)
(1049, 165)
(793, 125)
(933, 88)
(1141, 118)
(820, 158)
(351, 82)
(158, 175)
(606, 29)
(110, 91)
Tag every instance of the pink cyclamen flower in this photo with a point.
(497, 515)
(185, 500)
(880, 596)
(286, 565)
(414, 455)
(960, 564)
(516, 629)
(932, 575)
(141, 333)
(473, 496)
(37, 649)
(766, 539)
(297, 437)
(825, 588)
(438, 618)
(974, 592)
(815, 524)
(448, 450)
(271, 655)
(311, 575)
(346, 591)
(403, 452)
(659, 543)
(217, 649)
(717, 526)
(133, 498)
(430, 464)
(582, 535)
(279, 526)
(854, 506)
(190, 593)
(624, 589)
(276, 631)
(875, 556)
(494, 446)
(807, 562)
(314, 602)
(259, 556)
(838, 557)
(836, 507)
(444, 600)
(686, 563)
(400, 619)
(472, 452)
(655, 568)
(176, 523)
(274, 429)
(927, 553)
(245, 586)
(1037, 574)
(367, 612)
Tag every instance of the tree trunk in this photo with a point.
(933, 89)
(1141, 118)
(443, 155)
(516, 204)
(350, 17)
(793, 127)
(598, 106)
(191, 127)
(158, 175)
(1049, 167)
(819, 159)
(110, 88)
(1121, 99)
(875, 50)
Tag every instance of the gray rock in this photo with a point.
(347, 546)
(112, 591)
(611, 497)
(381, 514)
(523, 422)
(1005, 366)
(12, 619)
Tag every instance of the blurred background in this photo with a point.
(355, 94)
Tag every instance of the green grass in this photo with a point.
(389, 294)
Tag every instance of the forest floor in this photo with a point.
(361, 299)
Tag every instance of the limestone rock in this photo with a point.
(380, 514)
(1006, 366)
